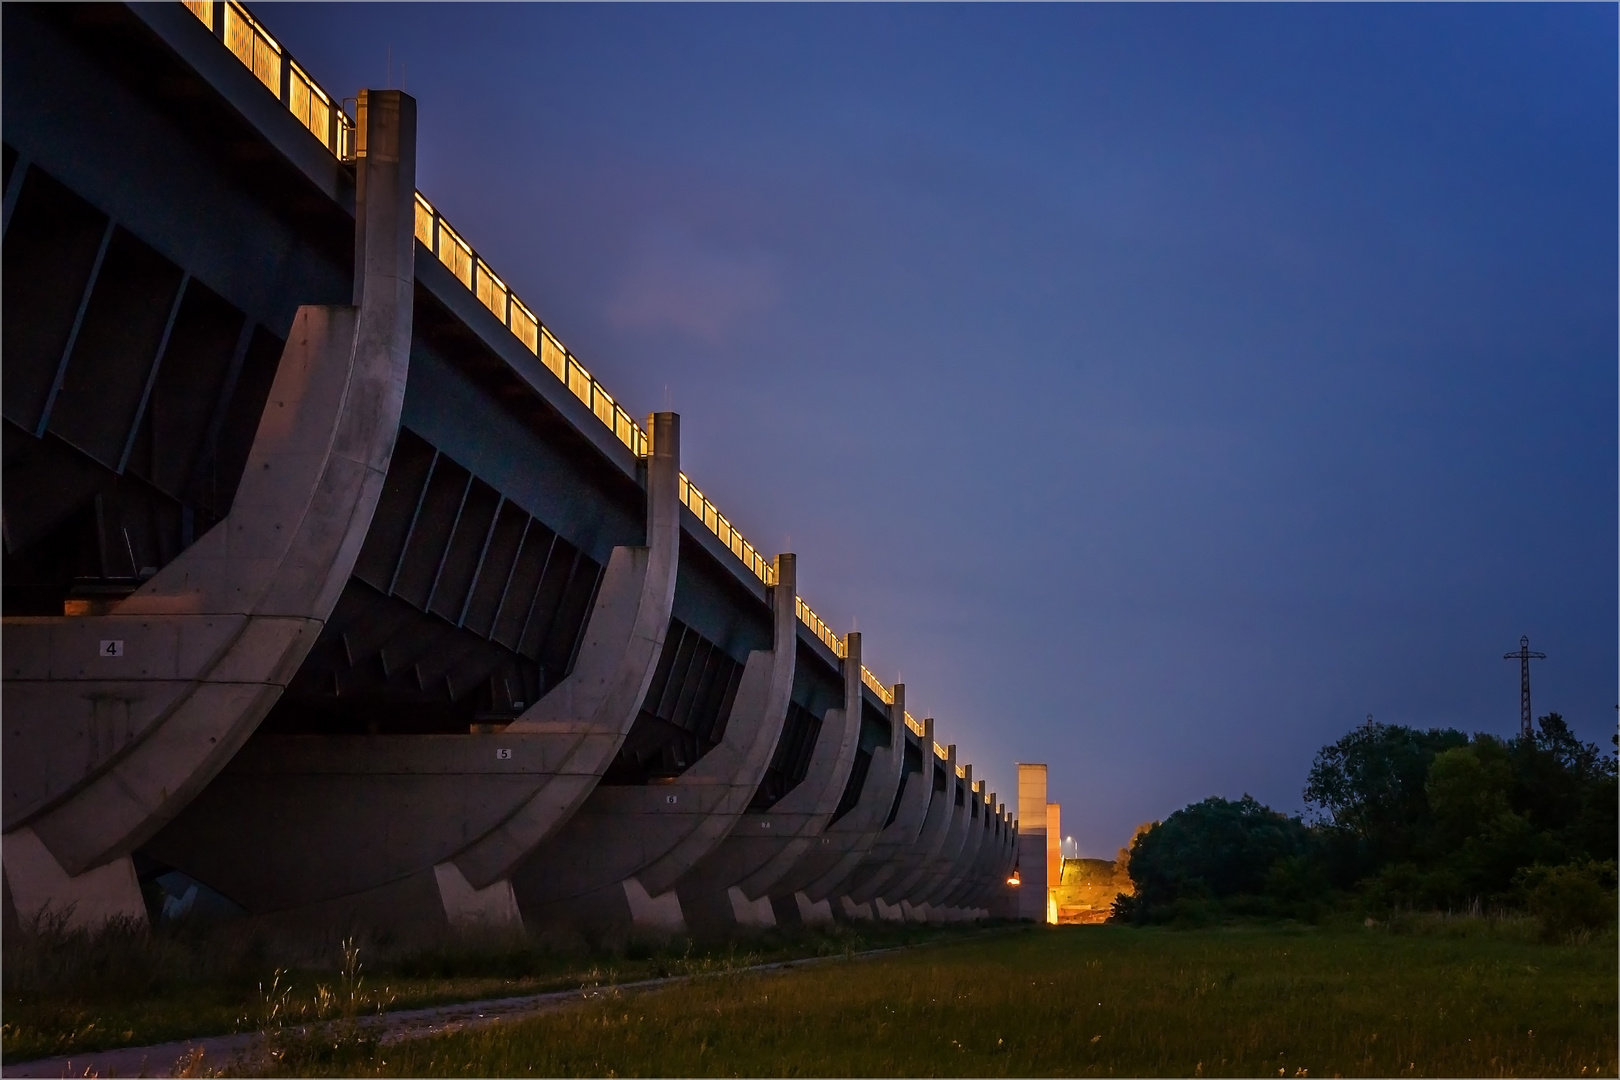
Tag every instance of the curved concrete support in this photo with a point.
(1007, 908)
(972, 898)
(961, 874)
(340, 823)
(948, 869)
(590, 712)
(728, 887)
(940, 865)
(965, 896)
(993, 898)
(936, 825)
(115, 722)
(890, 851)
(653, 834)
(823, 869)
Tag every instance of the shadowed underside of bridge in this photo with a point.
(333, 583)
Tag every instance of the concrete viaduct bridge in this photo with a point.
(334, 582)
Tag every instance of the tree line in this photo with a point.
(1398, 817)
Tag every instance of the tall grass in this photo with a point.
(74, 991)
(1474, 1000)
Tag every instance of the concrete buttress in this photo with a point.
(895, 843)
(825, 868)
(945, 863)
(613, 863)
(941, 778)
(115, 722)
(961, 873)
(426, 828)
(730, 886)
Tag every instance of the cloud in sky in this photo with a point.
(1164, 387)
(678, 281)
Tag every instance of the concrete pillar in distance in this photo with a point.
(1054, 852)
(1032, 842)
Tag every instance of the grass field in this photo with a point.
(73, 992)
(1446, 998)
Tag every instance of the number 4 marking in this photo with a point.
(112, 648)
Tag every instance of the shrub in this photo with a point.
(1570, 898)
(1215, 850)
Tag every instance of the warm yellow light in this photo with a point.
(1014, 880)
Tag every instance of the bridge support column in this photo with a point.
(854, 912)
(115, 722)
(339, 828)
(465, 907)
(589, 713)
(737, 876)
(39, 885)
(1032, 842)
(640, 839)
(750, 914)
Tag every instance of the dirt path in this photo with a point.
(250, 1048)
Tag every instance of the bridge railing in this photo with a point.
(884, 694)
(263, 55)
(323, 115)
(916, 726)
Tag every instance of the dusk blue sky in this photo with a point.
(1159, 389)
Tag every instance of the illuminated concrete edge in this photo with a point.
(896, 842)
(418, 829)
(1032, 841)
(931, 838)
(941, 900)
(815, 879)
(725, 889)
(614, 862)
(101, 750)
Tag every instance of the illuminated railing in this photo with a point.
(939, 752)
(819, 628)
(884, 694)
(263, 55)
(916, 726)
(961, 773)
(324, 117)
(716, 523)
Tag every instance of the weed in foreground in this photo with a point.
(78, 991)
(1088, 1001)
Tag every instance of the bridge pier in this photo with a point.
(897, 842)
(941, 778)
(637, 840)
(116, 721)
(845, 840)
(424, 829)
(350, 648)
(731, 886)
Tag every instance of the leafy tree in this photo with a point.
(1368, 788)
(1406, 817)
(1216, 849)
(1468, 790)
(1566, 788)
